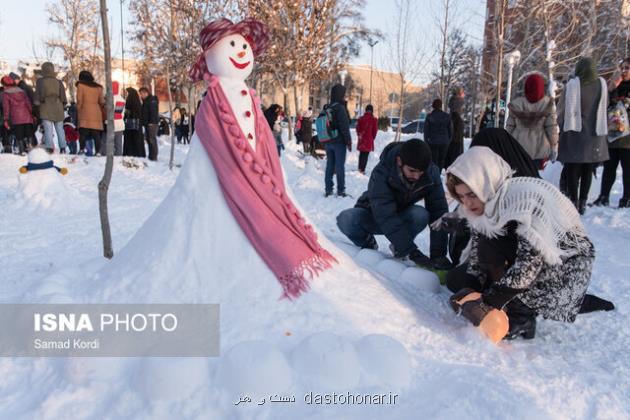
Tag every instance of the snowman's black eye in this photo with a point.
(232, 43)
(244, 46)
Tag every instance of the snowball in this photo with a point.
(391, 269)
(369, 257)
(326, 361)
(171, 378)
(83, 370)
(348, 249)
(419, 279)
(384, 360)
(256, 368)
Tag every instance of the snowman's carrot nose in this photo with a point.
(241, 54)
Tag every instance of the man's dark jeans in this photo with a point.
(358, 224)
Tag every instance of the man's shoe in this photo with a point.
(602, 201)
(342, 194)
(327, 194)
(624, 203)
(370, 243)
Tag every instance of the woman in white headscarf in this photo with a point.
(529, 253)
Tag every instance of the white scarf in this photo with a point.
(573, 111)
(545, 217)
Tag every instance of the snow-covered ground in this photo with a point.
(371, 335)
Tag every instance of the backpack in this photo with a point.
(325, 125)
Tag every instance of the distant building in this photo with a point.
(385, 92)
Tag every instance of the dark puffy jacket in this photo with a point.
(16, 106)
(150, 113)
(438, 128)
(341, 120)
(387, 195)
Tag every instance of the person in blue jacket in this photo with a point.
(404, 176)
(336, 148)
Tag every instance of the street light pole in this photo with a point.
(513, 58)
(371, 43)
(122, 46)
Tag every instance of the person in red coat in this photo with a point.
(18, 114)
(367, 126)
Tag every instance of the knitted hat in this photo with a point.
(534, 88)
(416, 154)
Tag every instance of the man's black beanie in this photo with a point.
(416, 154)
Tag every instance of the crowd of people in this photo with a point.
(516, 242)
(79, 127)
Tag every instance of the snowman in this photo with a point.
(41, 184)
(231, 127)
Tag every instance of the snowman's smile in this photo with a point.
(239, 65)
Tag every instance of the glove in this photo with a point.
(553, 155)
(420, 259)
(455, 298)
(475, 311)
(6, 124)
(498, 297)
(349, 147)
(441, 263)
(449, 223)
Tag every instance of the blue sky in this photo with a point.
(23, 25)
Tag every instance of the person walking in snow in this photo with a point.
(404, 176)
(304, 134)
(17, 114)
(134, 144)
(150, 120)
(529, 254)
(182, 127)
(532, 121)
(583, 121)
(72, 135)
(273, 115)
(438, 132)
(367, 127)
(456, 109)
(50, 98)
(619, 150)
(336, 148)
(90, 109)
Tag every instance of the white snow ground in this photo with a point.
(438, 365)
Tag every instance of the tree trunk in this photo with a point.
(103, 185)
(400, 110)
(443, 53)
(285, 99)
(500, 29)
(168, 88)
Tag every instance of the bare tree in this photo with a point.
(310, 40)
(103, 185)
(406, 54)
(77, 23)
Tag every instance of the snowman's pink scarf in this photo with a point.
(253, 186)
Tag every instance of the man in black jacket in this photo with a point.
(438, 132)
(404, 176)
(336, 148)
(150, 120)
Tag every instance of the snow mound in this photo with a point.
(421, 280)
(385, 361)
(44, 189)
(255, 367)
(369, 257)
(159, 379)
(327, 361)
